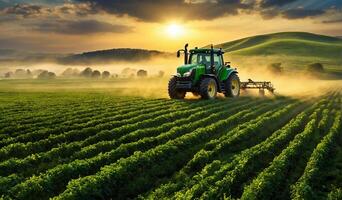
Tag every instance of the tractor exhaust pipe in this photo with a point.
(212, 59)
(186, 54)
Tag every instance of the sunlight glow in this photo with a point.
(174, 30)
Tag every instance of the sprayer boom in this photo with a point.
(261, 85)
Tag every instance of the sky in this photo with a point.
(73, 26)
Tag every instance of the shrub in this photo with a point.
(105, 74)
(46, 75)
(142, 73)
(315, 67)
(87, 72)
(275, 68)
(96, 74)
(70, 72)
(8, 74)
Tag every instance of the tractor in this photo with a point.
(205, 73)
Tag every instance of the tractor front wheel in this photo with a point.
(175, 93)
(208, 88)
(232, 86)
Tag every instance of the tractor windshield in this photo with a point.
(204, 58)
(200, 58)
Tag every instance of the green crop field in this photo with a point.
(99, 145)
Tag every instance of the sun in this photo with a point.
(174, 30)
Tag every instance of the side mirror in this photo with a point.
(178, 54)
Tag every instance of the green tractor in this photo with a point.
(204, 73)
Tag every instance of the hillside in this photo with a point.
(286, 43)
(110, 55)
(14, 57)
(295, 50)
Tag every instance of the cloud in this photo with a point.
(83, 27)
(297, 13)
(26, 10)
(332, 21)
(300, 13)
(79, 9)
(272, 3)
(154, 11)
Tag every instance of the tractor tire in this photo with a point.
(232, 86)
(208, 88)
(175, 93)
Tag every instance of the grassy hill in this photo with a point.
(287, 43)
(293, 49)
(111, 55)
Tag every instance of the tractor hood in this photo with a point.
(185, 68)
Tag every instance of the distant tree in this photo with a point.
(128, 72)
(96, 74)
(70, 72)
(9, 74)
(105, 74)
(46, 75)
(87, 72)
(37, 72)
(275, 68)
(161, 74)
(315, 68)
(142, 73)
(20, 73)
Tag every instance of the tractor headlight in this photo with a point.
(187, 74)
(178, 75)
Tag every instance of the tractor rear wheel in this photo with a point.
(175, 93)
(208, 88)
(232, 86)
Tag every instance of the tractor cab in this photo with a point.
(203, 57)
(205, 73)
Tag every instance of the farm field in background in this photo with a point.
(93, 144)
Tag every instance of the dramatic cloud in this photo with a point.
(332, 21)
(272, 3)
(82, 27)
(26, 10)
(301, 13)
(79, 9)
(29, 10)
(150, 10)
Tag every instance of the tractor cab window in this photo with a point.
(217, 61)
(204, 58)
(200, 58)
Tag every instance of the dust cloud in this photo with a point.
(289, 82)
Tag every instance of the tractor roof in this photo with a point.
(205, 50)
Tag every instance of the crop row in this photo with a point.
(29, 164)
(79, 123)
(52, 107)
(66, 115)
(68, 149)
(153, 163)
(217, 169)
(63, 173)
(229, 178)
(303, 188)
(60, 170)
(21, 149)
(274, 177)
